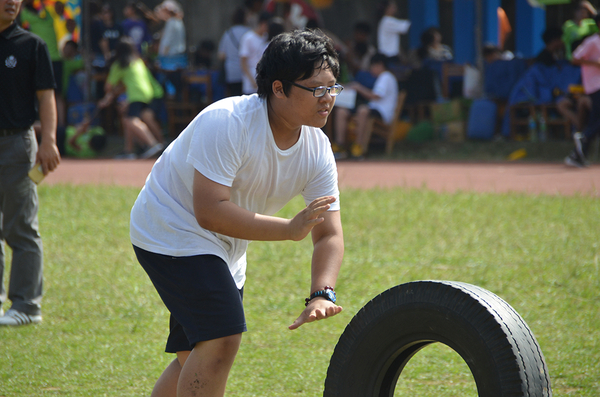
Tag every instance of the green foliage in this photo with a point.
(104, 325)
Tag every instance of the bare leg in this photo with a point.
(166, 385)
(363, 127)
(341, 125)
(584, 105)
(149, 118)
(565, 108)
(205, 371)
(139, 131)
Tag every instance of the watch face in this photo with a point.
(330, 295)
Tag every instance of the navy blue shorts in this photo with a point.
(135, 109)
(201, 295)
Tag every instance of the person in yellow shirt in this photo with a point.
(130, 71)
(582, 25)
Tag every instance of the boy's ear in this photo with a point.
(277, 88)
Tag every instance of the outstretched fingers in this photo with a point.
(319, 310)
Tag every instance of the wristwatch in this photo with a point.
(327, 293)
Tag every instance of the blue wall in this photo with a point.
(529, 26)
(422, 15)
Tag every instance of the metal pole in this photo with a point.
(86, 53)
(479, 38)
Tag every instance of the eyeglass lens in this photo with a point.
(333, 90)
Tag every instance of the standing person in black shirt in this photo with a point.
(25, 75)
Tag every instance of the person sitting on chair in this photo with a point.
(382, 103)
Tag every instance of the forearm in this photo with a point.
(231, 220)
(585, 62)
(326, 262)
(215, 211)
(367, 93)
(47, 113)
(47, 154)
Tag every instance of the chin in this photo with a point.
(320, 123)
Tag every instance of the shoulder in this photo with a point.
(387, 77)
(242, 109)
(240, 29)
(24, 39)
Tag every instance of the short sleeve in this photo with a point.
(44, 76)
(245, 49)
(325, 180)
(217, 145)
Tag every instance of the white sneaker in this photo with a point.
(15, 318)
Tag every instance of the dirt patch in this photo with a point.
(440, 177)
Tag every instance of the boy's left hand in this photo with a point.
(317, 309)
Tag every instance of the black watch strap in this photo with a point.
(327, 293)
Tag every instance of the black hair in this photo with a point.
(95, 7)
(264, 16)
(490, 49)
(275, 28)
(597, 19)
(294, 56)
(427, 39)
(551, 34)
(239, 16)
(381, 9)
(379, 58)
(133, 5)
(72, 43)
(586, 5)
(125, 51)
(109, 8)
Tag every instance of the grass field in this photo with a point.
(104, 326)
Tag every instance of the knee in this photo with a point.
(363, 111)
(128, 122)
(229, 345)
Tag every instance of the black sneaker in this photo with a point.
(574, 160)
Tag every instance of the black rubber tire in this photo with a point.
(495, 342)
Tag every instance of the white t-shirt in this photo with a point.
(172, 41)
(386, 87)
(231, 143)
(252, 47)
(230, 46)
(388, 34)
(590, 75)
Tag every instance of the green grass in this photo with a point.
(104, 326)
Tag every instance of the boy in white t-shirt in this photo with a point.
(382, 104)
(252, 46)
(587, 55)
(389, 30)
(217, 186)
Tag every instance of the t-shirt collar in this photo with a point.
(6, 33)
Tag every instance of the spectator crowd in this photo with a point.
(140, 58)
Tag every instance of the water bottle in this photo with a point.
(532, 128)
(543, 128)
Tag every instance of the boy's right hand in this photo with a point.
(309, 217)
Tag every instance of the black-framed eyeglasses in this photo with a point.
(320, 91)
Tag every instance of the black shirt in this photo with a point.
(25, 67)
